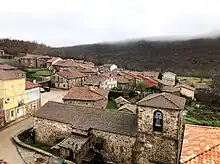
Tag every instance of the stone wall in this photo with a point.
(118, 146)
(96, 104)
(49, 132)
(157, 147)
(33, 106)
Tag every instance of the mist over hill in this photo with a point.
(197, 57)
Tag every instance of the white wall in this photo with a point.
(113, 66)
(32, 94)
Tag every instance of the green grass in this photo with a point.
(6, 60)
(202, 115)
(111, 105)
(35, 72)
(38, 145)
(194, 79)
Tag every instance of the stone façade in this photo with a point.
(117, 145)
(160, 147)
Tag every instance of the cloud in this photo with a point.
(70, 22)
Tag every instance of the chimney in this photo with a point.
(34, 81)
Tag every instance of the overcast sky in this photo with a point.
(71, 22)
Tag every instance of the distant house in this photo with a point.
(186, 90)
(89, 71)
(164, 83)
(68, 64)
(148, 81)
(169, 77)
(52, 61)
(124, 82)
(7, 67)
(67, 79)
(87, 96)
(101, 81)
(34, 61)
(172, 90)
(120, 101)
(33, 97)
(128, 108)
(201, 87)
(151, 74)
(107, 68)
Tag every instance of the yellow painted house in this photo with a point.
(12, 93)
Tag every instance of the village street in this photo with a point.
(8, 150)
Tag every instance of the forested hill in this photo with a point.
(192, 57)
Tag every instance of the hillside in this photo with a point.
(198, 57)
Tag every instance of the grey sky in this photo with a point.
(71, 22)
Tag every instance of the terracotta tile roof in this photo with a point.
(151, 74)
(122, 80)
(163, 100)
(30, 56)
(129, 107)
(86, 93)
(85, 118)
(95, 80)
(201, 145)
(121, 100)
(88, 70)
(6, 67)
(71, 74)
(59, 63)
(29, 85)
(170, 89)
(11, 74)
(186, 86)
(52, 59)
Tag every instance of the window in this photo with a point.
(18, 111)
(12, 113)
(158, 121)
(11, 88)
(19, 86)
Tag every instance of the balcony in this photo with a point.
(20, 103)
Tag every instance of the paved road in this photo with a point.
(8, 150)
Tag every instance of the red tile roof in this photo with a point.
(201, 145)
(71, 74)
(52, 59)
(29, 85)
(86, 93)
(11, 74)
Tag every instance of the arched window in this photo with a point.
(158, 121)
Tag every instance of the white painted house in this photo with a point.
(169, 77)
(52, 61)
(107, 68)
(33, 97)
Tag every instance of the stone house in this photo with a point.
(68, 79)
(56, 122)
(159, 130)
(124, 83)
(172, 90)
(87, 96)
(169, 77)
(34, 61)
(68, 64)
(120, 101)
(101, 81)
(128, 108)
(186, 90)
(107, 68)
(52, 61)
(89, 71)
(33, 97)
(151, 74)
